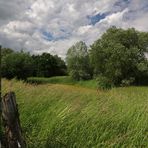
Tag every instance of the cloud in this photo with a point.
(114, 19)
(53, 26)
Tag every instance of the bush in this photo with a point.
(103, 83)
(127, 82)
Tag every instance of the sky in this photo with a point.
(53, 26)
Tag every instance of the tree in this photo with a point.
(22, 65)
(118, 54)
(16, 64)
(6, 51)
(77, 59)
(47, 65)
(61, 67)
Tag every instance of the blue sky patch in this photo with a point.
(96, 18)
(48, 36)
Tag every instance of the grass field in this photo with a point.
(60, 115)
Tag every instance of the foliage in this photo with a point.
(46, 65)
(6, 51)
(22, 65)
(16, 64)
(69, 116)
(127, 82)
(118, 54)
(78, 62)
(103, 83)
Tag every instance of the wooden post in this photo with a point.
(10, 117)
(0, 103)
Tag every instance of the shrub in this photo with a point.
(127, 82)
(103, 83)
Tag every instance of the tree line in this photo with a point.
(22, 65)
(119, 57)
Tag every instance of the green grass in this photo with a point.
(58, 115)
(63, 80)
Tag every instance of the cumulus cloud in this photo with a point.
(53, 26)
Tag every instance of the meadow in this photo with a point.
(62, 80)
(61, 113)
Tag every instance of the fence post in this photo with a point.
(0, 102)
(10, 117)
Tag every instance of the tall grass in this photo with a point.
(57, 116)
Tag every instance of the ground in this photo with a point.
(62, 115)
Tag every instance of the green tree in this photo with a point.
(78, 61)
(6, 51)
(16, 64)
(118, 54)
(47, 65)
(61, 66)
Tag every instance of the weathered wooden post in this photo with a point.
(10, 117)
(0, 103)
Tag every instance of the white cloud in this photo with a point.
(23, 22)
(115, 18)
